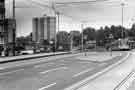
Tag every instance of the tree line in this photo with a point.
(101, 36)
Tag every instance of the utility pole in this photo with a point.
(82, 26)
(55, 36)
(71, 42)
(122, 12)
(14, 28)
(58, 15)
(58, 26)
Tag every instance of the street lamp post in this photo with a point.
(71, 44)
(111, 37)
(82, 26)
(58, 15)
(55, 36)
(85, 38)
(58, 26)
(14, 28)
(122, 15)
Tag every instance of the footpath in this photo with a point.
(28, 57)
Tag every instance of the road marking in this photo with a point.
(50, 85)
(84, 62)
(53, 70)
(121, 54)
(103, 64)
(76, 75)
(39, 66)
(65, 61)
(11, 72)
(1, 68)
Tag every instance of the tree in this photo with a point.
(132, 31)
(90, 33)
(101, 37)
(63, 39)
(76, 37)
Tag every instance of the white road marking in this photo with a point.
(39, 66)
(120, 54)
(1, 68)
(64, 61)
(53, 70)
(102, 64)
(50, 85)
(11, 72)
(76, 75)
(62, 64)
(85, 62)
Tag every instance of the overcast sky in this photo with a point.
(94, 14)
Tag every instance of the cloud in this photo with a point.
(95, 14)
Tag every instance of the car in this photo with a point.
(26, 52)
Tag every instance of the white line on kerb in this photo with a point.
(11, 72)
(50, 85)
(53, 70)
(76, 75)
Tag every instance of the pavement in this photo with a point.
(98, 57)
(31, 56)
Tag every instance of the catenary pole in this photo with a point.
(14, 28)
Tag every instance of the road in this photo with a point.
(50, 75)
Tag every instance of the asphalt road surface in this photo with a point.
(50, 75)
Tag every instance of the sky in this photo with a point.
(92, 14)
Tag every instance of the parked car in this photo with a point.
(26, 52)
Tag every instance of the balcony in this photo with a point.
(2, 34)
(2, 22)
(2, 10)
(2, 1)
(2, 5)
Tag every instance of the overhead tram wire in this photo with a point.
(34, 3)
(49, 7)
(80, 2)
(58, 6)
(40, 4)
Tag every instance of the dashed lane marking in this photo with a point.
(50, 85)
(39, 66)
(1, 68)
(83, 72)
(103, 64)
(5, 73)
(51, 70)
